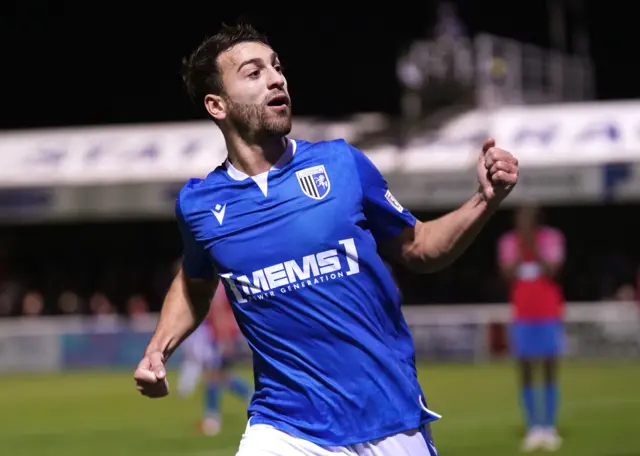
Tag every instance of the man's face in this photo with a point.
(255, 99)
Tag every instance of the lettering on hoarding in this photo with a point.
(148, 152)
(90, 151)
(544, 135)
(527, 135)
(46, 156)
(190, 148)
(606, 130)
(550, 133)
(94, 153)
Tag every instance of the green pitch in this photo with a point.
(95, 414)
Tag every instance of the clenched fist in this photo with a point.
(497, 172)
(151, 376)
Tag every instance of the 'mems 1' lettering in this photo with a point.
(292, 275)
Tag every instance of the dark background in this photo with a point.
(76, 63)
(73, 63)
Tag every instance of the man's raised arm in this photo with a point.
(433, 245)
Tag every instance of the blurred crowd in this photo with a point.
(33, 303)
(86, 269)
(125, 268)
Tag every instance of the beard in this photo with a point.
(258, 121)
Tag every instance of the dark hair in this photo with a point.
(200, 71)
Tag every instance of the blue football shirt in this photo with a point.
(296, 248)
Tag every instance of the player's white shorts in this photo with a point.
(200, 348)
(265, 440)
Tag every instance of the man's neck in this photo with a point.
(254, 158)
(528, 232)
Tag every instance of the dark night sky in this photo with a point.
(69, 65)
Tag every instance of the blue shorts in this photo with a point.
(543, 339)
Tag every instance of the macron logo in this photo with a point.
(219, 212)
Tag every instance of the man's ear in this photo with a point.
(215, 106)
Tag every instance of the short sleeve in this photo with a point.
(196, 262)
(386, 216)
(552, 246)
(507, 250)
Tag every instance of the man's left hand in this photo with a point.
(497, 172)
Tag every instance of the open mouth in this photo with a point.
(279, 101)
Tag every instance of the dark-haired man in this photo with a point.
(293, 230)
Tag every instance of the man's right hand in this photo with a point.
(151, 376)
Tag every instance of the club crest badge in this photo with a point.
(314, 182)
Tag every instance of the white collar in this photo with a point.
(285, 158)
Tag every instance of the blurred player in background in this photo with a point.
(531, 257)
(210, 350)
